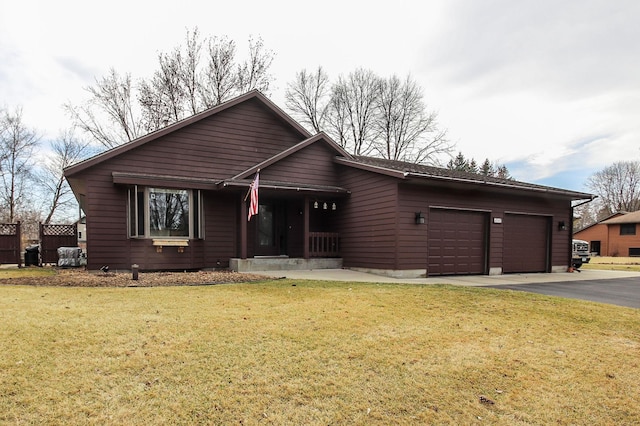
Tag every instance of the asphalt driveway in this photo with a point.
(615, 291)
(620, 288)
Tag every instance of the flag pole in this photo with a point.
(250, 185)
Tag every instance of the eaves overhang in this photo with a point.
(232, 184)
(167, 181)
(505, 185)
(371, 168)
(443, 177)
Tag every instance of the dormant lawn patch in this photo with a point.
(305, 352)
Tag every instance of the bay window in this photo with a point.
(164, 212)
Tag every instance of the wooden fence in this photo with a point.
(54, 236)
(10, 243)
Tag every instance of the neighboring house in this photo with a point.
(616, 235)
(176, 199)
(82, 233)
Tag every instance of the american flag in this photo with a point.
(253, 206)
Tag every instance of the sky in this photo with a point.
(549, 88)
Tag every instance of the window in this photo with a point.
(168, 212)
(163, 212)
(628, 229)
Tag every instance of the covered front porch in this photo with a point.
(295, 228)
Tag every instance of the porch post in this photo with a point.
(305, 232)
(243, 227)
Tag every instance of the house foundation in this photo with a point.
(280, 263)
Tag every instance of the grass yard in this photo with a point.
(10, 273)
(613, 263)
(310, 352)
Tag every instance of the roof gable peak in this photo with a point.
(251, 95)
(319, 137)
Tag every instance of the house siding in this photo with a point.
(413, 238)
(619, 245)
(597, 232)
(215, 147)
(312, 165)
(611, 242)
(375, 205)
(368, 230)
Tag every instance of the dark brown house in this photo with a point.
(176, 199)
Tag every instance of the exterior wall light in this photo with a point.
(315, 205)
(562, 226)
(419, 218)
(324, 206)
(333, 206)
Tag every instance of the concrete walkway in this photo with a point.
(465, 280)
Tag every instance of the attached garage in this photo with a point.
(526, 243)
(457, 242)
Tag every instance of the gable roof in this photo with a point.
(320, 137)
(406, 170)
(624, 218)
(245, 178)
(254, 94)
(600, 222)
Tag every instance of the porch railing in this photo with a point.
(324, 244)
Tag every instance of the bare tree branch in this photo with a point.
(354, 98)
(17, 143)
(618, 186)
(407, 131)
(219, 80)
(254, 72)
(108, 116)
(66, 150)
(308, 98)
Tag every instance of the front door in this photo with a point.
(271, 237)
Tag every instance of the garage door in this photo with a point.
(526, 242)
(456, 242)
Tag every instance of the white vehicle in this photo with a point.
(580, 253)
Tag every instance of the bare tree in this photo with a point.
(585, 214)
(406, 130)
(108, 116)
(162, 98)
(118, 111)
(308, 98)
(354, 101)
(57, 195)
(368, 115)
(253, 73)
(617, 186)
(17, 143)
(219, 77)
(189, 71)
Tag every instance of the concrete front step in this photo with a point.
(283, 263)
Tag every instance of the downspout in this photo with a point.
(571, 230)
